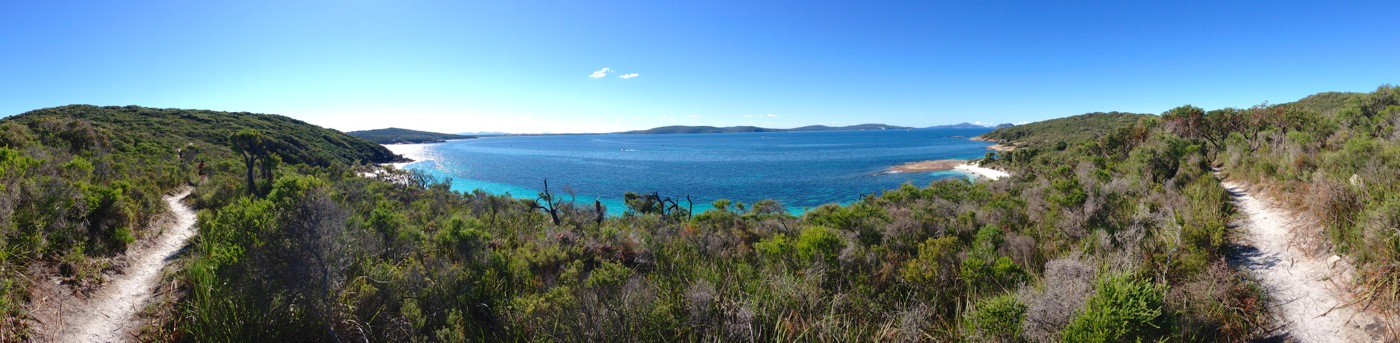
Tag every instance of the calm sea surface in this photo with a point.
(799, 169)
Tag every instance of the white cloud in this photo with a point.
(600, 73)
(627, 76)
(694, 116)
(770, 115)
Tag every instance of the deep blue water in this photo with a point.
(799, 169)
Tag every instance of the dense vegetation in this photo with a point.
(1088, 243)
(1051, 133)
(135, 127)
(734, 129)
(396, 135)
(1115, 235)
(1333, 155)
(79, 183)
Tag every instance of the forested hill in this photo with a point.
(734, 129)
(135, 127)
(396, 135)
(1071, 129)
(1326, 103)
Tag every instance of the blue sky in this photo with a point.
(525, 66)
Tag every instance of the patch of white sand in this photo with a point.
(977, 169)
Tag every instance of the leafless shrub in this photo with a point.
(701, 298)
(1021, 249)
(1036, 205)
(904, 230)
(738, 322)
(913, 321)
(1068, 283)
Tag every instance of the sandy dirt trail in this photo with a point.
(108, 316)
(1313, 302)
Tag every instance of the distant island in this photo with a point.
(395, 135)
(734, 129)
(966, 125)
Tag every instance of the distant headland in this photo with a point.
(736, 129)
(395, 135)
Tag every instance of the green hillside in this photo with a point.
(395, 135)
(1071, 129)
(1326, 103)
(132, 127)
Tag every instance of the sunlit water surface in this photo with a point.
(799, 169)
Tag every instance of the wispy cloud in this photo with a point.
(770, 115)
(600, 73)
(627, 76)
(694, 116)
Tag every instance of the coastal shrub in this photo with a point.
(818, 243)
(995, 319)
(933, 269)
(865, 219)
(1122, 309)
(777, 247)
(1337, 205)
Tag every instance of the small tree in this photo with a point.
(252, 146)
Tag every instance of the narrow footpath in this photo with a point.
(1313, 303)
(110, 314)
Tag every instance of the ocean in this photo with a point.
(800, 170)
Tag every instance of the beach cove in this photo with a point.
(801, 170)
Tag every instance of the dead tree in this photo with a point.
(550, 204)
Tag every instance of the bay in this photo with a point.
(800, 170)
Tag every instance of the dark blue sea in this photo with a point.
(799, 169)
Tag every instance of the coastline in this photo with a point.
(977, 169)
(997, 145)
(414, 152)
(927, 166)
(965, 166)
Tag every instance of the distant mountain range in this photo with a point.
(862, 127)
(971, 126)
(396, 135)
(733, 129)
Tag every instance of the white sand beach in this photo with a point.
(415, 152)
(975, 169)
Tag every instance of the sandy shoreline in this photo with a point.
(415, 152)
(926, 166)
(964, 166)
(977, 169)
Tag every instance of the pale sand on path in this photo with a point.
(110, 314)
(1312, 303)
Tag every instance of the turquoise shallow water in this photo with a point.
(799, 169)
